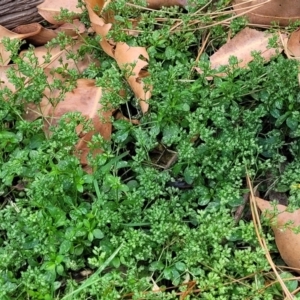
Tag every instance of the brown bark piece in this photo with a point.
(19, 12)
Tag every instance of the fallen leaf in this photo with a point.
(50, 9)
(86, 99)
(72, 29)
(5, 33)
(156, 4)
(61, 57)
(124, 55)
(293, 44)
(288, 242)
(265, 12)
(40, 35)
(242, 46)
(138, 58)
(119, 116)
(102, 28)
(4, 82)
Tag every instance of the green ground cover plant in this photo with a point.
(134, 225)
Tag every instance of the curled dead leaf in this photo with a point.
(102, 28)
(125, 56)
(119, 116)
(50, 9)
(156, 4)
(267, 11)
(32, 29)
(5, 33)
(135, 59)
(40, 35)
(287, 241)
(293, 44)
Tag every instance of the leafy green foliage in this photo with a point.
(128, 222)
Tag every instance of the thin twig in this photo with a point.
(262, 241)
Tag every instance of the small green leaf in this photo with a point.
(121, 164)
(116, 262)
(59, 258)
(168, 273)
(90, 236)
(65, 247)
(180, 266)
(156, 265)
(79, 187)
(56, 286)
(120, 136)
(98, 234)
(188, 176)
(50, 266)
(292, 123)
(132, 184)
(170, 52)
(290, 284)
(275, 113)
(60, 269)
(282, 188)
(36, 141)
(86, 223)
(282, 118)
(175, 276)
(78, 250)
(183, 107)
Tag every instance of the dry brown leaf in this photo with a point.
(280, 11)
(156, 4)
(241, 46)
(100, 27)
(138, 56)
(32, 29)
(293, 44)
(5, 55)
(123, 54)
(4, 82)
(50, 9)
(59, 57)
(32, 111)
(40, 35)
(72, 29)
(292, 47)
(86, 99)
(119, 116)
(287, 241)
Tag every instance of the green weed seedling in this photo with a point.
(156, 217)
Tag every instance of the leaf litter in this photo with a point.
(86, 96)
